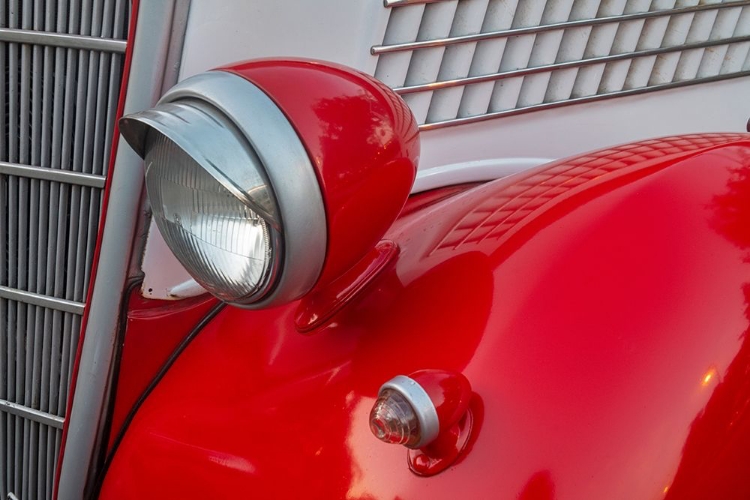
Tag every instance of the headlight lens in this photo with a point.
(232, 189)
(228, 247)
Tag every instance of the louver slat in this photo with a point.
(528, 55)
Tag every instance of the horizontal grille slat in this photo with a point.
(577, 100)
(62, 40)
(42, 300)
(530, 55)
(60, 70)
(441, 42)
(564, 65)
(64, 176)
(31, 414)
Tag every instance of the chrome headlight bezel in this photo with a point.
(246, 143)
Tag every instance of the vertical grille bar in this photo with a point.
(46, 435)
(5, 356)
(59, 106)
(13, 363)
(4, 350)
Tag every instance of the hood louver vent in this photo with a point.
(462, 61)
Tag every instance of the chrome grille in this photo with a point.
(61, 65)
(462, 61)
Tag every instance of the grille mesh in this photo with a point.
(460, 61)
(59, 108)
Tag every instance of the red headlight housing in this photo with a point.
(304, 164)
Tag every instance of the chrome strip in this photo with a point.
(565, 65)
(158, 39)
(37, 299)
(31, 414)
(52, 174)
(578, 100)
(441, 42)
(472, 171)
(62, 40)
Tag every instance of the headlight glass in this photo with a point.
(225, 245)
(232, 189)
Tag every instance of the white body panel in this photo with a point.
(344, 31)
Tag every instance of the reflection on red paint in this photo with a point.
(152, 331)
(717, 450)
(539, 487)
(362, 139)
(586, 304)
(708, 377)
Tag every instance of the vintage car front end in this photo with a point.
(508, 238)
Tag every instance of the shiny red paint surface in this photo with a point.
(320, 305)
(447, 450)
(449, 392)
(152, 331)
(598, 306)
(361, 138)
(423, 200)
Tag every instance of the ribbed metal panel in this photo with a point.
(504, 214)
(60, 71)
(462, 61)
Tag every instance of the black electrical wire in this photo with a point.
(122, 323)
(94, 492)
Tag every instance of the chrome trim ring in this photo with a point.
(210, 137)
(429, 424)
(301, 213)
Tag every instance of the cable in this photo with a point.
(146, 392)
(122, 323)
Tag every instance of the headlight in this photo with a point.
(230, 248)
(212, 190)
(269, 178)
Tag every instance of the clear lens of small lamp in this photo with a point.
(393, 420)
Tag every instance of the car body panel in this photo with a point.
(152, 331)
(597, 305)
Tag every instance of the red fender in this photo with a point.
(599, 307)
